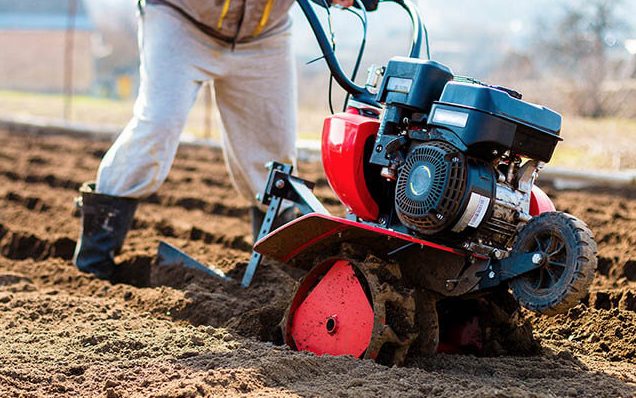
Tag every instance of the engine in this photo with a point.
(462, 155)
(442, 192)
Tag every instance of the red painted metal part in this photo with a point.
(344, 136)
(540, 202)
(309, 230)
(336, 317)
(310, 242)
(462, 338)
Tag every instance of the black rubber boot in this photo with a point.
(257, 216)
(106, 220)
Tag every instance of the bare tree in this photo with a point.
(578, 49)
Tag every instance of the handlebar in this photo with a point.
(419, 29)
(358, 92)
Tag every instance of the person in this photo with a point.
(244, 47)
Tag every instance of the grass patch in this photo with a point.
(605, 143)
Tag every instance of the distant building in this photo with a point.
(32, 42)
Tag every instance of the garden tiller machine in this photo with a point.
(437, 175)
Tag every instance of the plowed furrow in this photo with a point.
(20, 245)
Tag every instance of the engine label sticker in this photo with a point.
(475, 212)
(482, 208)
(399, 84)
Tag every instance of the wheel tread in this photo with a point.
(581, 277)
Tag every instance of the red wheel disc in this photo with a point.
(336, 317)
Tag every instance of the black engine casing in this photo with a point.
(487, 119)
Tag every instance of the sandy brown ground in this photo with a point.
(169, 333)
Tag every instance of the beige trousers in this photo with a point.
(255, 87)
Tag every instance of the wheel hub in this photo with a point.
(537, 258)
(549, 247)
(332, 324)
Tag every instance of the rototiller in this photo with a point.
(437, 175)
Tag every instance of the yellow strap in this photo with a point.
(226, 5)
(264, 18)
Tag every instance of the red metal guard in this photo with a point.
(336, 317)
(344, 136)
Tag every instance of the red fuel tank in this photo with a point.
(344, 138)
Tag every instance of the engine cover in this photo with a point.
(430, 187)
(439, 189)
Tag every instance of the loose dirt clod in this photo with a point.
(169, 332)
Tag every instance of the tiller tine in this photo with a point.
(170, 255)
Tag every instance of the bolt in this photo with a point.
(382, 221)
(258, 197)
(439, 216)
(449, 285)
(491, 275)
(466, 245)
(280, 184)
(378, 148)
(455, 159)
(537, 258)
(495, 152)
(498, 254)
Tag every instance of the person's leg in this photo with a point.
(257, 102)
(139, 160)
(141, 157)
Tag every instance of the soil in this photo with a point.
(169, 332)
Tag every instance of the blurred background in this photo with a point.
(76, 60)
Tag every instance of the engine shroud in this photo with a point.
(439, 189)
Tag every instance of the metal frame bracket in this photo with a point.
(281, 185)
(508, 268)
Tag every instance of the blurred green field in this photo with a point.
(605, 143)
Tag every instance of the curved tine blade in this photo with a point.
(170, 255)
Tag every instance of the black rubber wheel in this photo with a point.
(568, 264)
